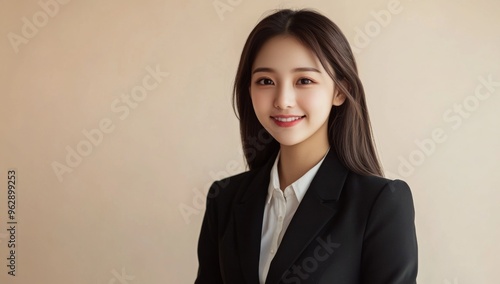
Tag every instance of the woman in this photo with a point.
(314, 207)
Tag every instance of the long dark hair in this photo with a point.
(349, 130)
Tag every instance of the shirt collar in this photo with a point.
(300, 186)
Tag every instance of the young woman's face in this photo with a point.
(292, 94)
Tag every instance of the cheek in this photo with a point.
(317, 104)
(260, 102)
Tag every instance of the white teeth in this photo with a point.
(287, 119)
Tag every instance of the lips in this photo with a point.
(287, 120)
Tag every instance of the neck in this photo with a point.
(296, 160)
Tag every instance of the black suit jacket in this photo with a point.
(348, 229)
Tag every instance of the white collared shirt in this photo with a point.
(278, 212)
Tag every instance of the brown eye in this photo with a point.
(265, 81)
(305, 81)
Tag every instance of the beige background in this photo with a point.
(130, 211)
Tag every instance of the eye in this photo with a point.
(305, 81)
(265, 81)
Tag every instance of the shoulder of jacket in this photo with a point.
(376, 184)
(228, 187)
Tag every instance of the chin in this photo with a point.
(288, 141)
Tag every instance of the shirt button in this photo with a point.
(272, 251)
(280, 218)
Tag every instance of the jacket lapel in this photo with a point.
(249, 211)
(317, 207)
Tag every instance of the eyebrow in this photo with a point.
(299, 69)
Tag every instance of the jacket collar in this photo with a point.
(319, 201)
(299, 186)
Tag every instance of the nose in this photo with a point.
(284, 97)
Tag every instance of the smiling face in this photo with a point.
(292, 94)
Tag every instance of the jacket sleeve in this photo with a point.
(208, 245)
(390, 254)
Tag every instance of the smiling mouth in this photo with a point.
(287, 118)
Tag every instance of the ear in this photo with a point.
(338, 96)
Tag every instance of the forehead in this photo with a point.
(285, 53)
